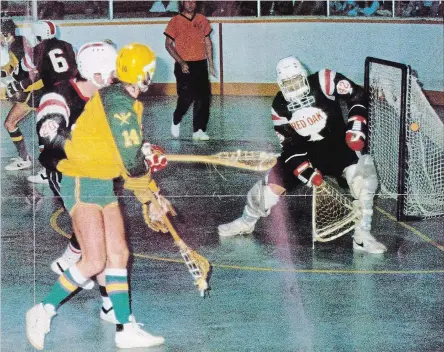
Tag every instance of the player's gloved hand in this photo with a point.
(13, 87)
(308, 174)
(315, 179)
(14, 91)
(355, 140)
(154, 156)
(154, 212)
(157, 210)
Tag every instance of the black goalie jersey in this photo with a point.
(316, 133)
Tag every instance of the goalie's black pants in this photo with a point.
(193, 87)
(329, 165)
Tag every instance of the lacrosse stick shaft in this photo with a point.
(197, 265)
(259, 165)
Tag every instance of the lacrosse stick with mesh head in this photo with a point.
(147, 193)
(197, 265)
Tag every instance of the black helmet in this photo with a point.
(8, 26)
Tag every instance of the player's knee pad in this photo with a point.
(260, 200)
(362, 178)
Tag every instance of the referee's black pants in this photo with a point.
(193, 87)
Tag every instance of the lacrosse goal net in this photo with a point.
(406, 140)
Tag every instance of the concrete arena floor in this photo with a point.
(270, 290)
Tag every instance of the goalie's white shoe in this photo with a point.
(38, 322)
(236, 227)
(365, 242)
(132, 336)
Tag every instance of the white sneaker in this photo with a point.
(60, 265)
(38, 321)
(200, 135)
(132, 336)
(365, 242)
(175, 130)
(108, 315)
(19, 164)
(236, 227)
(40, 177)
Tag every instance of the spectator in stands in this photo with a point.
(370, 8)
(52, 10)
(226, 8)
(310, 8)
(337, 8)
(158, 8)
(351, 8)
(248, 8)
(173, 7)
(188, 42)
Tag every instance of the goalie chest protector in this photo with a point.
(321, 125)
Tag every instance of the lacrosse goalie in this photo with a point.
(316, 141)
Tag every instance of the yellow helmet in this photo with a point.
(136, 64)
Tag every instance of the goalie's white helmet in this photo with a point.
(97, 57)
(292, 80)
(44, 30)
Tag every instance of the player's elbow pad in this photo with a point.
(308, 175)
(53, 131)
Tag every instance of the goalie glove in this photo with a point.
(154, 156)
(355, 136)
(308, 175)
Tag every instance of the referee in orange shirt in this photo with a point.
(188, 42)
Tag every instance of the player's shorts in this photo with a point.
(81, 190)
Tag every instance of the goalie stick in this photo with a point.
(197, 265)
(247, 160)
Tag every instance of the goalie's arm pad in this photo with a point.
(308, 175)
(356, 127)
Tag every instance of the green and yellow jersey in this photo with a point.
(107, 138)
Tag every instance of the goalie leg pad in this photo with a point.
(363, 182)
(260, 200)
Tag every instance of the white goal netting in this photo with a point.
(334, 213)
(406, 141)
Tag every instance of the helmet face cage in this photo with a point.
(144, 80)
(97, 58)
(292, 79)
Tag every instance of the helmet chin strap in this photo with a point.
(144, 86)
(100, 85)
